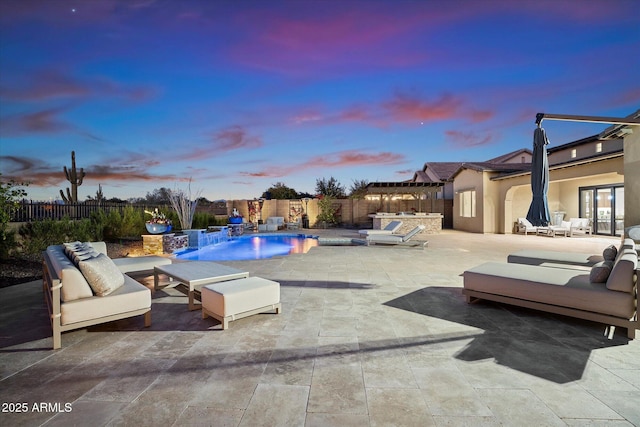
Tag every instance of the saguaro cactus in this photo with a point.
(74, 178)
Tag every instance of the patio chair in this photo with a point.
(391, 228)
(525, 227)
(580, 226)
(396, 239)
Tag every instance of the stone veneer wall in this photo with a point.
(433, 223)
(158, 244)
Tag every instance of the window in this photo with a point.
(574, 153)
(467, 203)
(599, 147)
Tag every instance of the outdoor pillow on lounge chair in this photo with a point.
(391, 228)
(394, 239)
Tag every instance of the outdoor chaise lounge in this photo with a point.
(391, 228)
(607, 293)
(396, 239)
(562, 259)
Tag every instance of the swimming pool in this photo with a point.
(252, 247)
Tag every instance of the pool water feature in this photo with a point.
(252, 247)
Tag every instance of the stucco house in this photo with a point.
(587, 178)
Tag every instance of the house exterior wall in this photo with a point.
(632, 178)
(468, 179)
(584, 150)
(515, 193)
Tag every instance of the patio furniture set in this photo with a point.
(84, 287)
(566, 228)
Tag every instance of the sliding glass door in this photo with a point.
(604, 206)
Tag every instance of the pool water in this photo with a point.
(252, 247)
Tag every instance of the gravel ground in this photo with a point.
(23, 269)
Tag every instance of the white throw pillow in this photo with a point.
(102, 274)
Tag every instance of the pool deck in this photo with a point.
(368, 336)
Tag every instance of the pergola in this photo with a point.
(415, 189)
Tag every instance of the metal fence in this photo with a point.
(29, 210)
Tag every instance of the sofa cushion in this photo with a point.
(74, 284)
(129, 297)
(141, 263)
(103, 275)
(609, 253)
(600, 272)
(621, 277)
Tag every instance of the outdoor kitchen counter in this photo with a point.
(431, 221)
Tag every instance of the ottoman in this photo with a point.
(235, 299)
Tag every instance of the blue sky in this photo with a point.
(239, 95)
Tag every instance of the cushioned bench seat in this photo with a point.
(131, 297)
(552, 258)
(538, 257)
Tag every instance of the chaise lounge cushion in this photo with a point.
(540, 257)
(547, 285)
(103, 275)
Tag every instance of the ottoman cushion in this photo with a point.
(234, 297)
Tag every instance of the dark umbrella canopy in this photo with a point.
(538, 214)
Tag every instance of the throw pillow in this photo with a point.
(600, 272)
(103, 275)
(610, 253)
(83, 256)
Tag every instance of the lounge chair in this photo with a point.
(580, 226)
(525, 226)
(395, 239)
(391, 228)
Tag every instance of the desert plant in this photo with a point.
(185, 205)
(75, 179)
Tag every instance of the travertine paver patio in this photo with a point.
(368, 336)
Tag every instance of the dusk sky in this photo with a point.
(238, 95)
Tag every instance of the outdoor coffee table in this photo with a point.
(196, 274)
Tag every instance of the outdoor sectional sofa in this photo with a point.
(84, 287)
(570, 290)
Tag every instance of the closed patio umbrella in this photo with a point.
(538, 214)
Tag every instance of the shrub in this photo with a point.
(114, 226)
(37, 235)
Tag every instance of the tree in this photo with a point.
(10, 195)
(280, 191)
(330, 187)
(327, 213)
(358, 189)
(159, 196)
